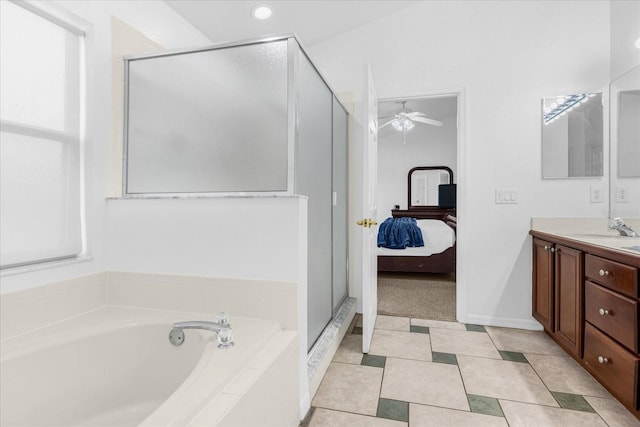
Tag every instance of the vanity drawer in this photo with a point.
(613, 275)
(612, 365)
(612, 313)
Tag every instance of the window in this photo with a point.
(40, 133)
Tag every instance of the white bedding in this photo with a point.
(437, 237)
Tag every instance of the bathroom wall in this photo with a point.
(426, 146)
(505, 57)
(625, 30)
(166, 28)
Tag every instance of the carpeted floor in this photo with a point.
(417, 295)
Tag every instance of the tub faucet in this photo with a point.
(624, 230)
(222, 328)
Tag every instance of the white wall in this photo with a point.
(425, 146)
(505, 57)
(625, 30)
(250, 238)
(164, 26)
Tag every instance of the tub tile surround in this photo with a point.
(30, 309)
(527, 380)
(36, 318)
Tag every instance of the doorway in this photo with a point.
(415, 132)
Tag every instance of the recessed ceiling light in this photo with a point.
(262, 12)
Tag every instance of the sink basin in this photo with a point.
(632, 248)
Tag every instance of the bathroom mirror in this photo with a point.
(625, 145)
(424, 184)
(572, 136)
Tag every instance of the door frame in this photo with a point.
(462, 259)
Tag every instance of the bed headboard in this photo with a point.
(424, 212)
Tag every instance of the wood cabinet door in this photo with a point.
(569, 313)
(543, 276)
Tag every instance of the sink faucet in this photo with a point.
(222, 328)
(624, 230)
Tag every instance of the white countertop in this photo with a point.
(594, 231)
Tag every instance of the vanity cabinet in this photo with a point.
(557, 292)
(587, 299)
(568, 299)
(543, 289)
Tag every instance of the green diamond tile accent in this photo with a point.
(513, 356)
(419, 329)
(485, 405)
(448, 358)
(375, 361)
(572, 401)
(475, 328)
(357, 330)
(393, 410)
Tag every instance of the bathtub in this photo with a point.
(116, 367)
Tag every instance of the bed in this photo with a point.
(438, 224)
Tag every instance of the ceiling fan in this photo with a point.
(405, 120)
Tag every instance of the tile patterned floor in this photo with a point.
(434, 373)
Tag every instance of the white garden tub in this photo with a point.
(116, 367)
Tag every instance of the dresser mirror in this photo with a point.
(573, 136)
(423, 185)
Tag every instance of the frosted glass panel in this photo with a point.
(313, 178)
(39, 206)
(340, 159)
(212, 121)
(34, 70)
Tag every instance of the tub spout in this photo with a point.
(221, 328)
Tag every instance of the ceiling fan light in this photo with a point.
(396, 125)
(407, 124)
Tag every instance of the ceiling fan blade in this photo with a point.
(386, 124)
(386, 117)
(416, 113)
(427, 121)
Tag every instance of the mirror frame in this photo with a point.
(421, 168)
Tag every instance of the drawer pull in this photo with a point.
(602, 360)
(603, 273)
(603, 312)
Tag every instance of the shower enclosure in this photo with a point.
(252, 118)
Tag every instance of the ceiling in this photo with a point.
(312, 21)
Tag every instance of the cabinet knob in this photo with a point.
(603, 312)
(602, 360)
(553, 249)
(603, 273)
(546, 248)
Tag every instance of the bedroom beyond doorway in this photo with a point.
(417, 167)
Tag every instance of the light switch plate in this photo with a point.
(507, 196)
(596, 195)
